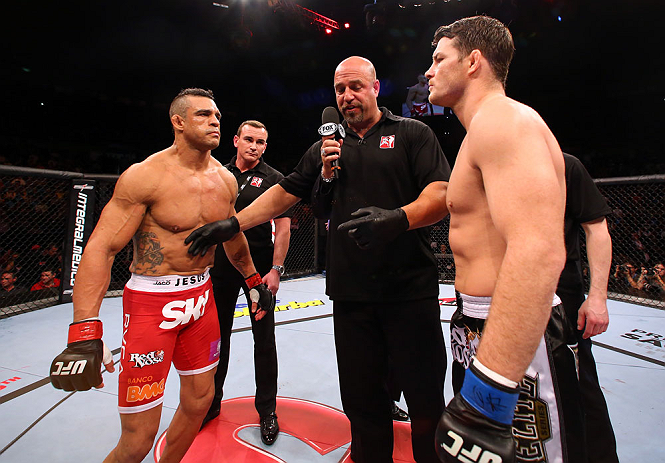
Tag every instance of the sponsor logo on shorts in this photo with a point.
(189, 280)
(532, 426)
(463, 343)
(143, 360)
(191, 310)
(215, 349)
(140, 380)
(149, 391)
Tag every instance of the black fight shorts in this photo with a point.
(547, 425)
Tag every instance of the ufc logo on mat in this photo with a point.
(178, 317)
(474, 455)
(72, 368)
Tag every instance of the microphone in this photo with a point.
(330, 126)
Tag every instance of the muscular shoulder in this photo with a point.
(140, 182)
(505, 126)
(225, 175)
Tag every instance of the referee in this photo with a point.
(254, 177)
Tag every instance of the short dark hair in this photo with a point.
(178, 105)
(253, 123)
(10, 272)
(483, 33)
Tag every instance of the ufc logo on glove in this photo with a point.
(473, 455)
(72, 368)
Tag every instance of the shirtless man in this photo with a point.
(416, 99)
(157, 203)
(506, 199)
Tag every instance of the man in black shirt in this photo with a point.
(586, 208)
(254, 178)
(380, 272)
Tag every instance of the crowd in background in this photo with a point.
(31, 242)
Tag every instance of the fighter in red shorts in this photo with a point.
(157, 203)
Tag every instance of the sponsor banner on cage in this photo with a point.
(79, 228)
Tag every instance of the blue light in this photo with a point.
(559, 18)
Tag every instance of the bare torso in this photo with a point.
(475, 241)
(181, 199)
(420, 93)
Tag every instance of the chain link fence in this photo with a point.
(34, 210)
(637, 227)
(34, 213)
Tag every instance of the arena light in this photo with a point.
(347, 25)
(328, 30)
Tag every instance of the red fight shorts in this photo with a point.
(419, 109)
(165, 319)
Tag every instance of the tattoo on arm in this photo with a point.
(148, 251)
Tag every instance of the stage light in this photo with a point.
(347, 25)
(328, 30)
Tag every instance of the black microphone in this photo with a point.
(330, 126)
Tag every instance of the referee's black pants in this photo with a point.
(600, 439)
(226, 284)
(409, 333)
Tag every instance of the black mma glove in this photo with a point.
(78, 367)
(212, 234)
(477, 423)
(259, 293)
(373, 226)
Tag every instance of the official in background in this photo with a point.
(586, 208)
(380, 271)
(254, 177)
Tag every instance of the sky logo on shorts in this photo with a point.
(256, 181)
(387, 142)
(183, 317)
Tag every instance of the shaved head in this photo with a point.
(359, 63)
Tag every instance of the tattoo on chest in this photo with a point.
(149, 251)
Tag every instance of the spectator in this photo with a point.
(46, 280)
(627, 274)
(652, 280)
(8, 282)
(50, 257)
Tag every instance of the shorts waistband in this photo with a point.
(167, 283)
(479, 306)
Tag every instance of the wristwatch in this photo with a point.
(279, 268)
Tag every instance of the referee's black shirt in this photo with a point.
(388, 168)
